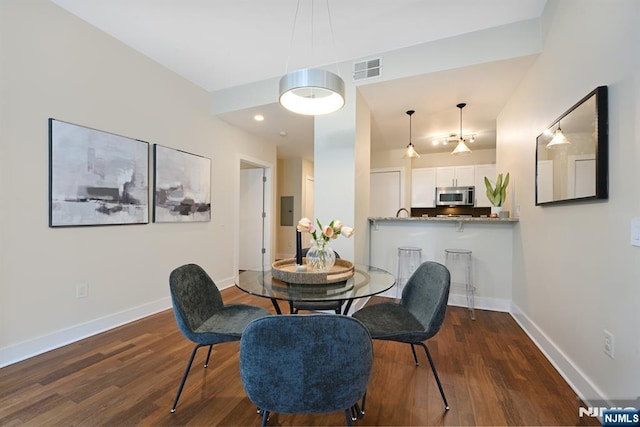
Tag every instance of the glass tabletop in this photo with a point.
(366, 281)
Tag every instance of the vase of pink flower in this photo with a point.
(320, 256)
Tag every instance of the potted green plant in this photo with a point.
(497, 194)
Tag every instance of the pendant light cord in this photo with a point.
(461, 138)
(333, 40)
(293, 33)
(461, 106)
(410, 143)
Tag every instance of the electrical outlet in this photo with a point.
(81, 290)
(609, 344)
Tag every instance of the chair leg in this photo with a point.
(353, 411)
(364, 400)
(276, 306)
(435, 373)
(184, 377)
(265, 417)
(347, 414)
(206, 362)
(415, 356)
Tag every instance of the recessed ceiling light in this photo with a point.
(283, 133)
(258, 117)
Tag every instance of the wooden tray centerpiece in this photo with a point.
(285, 270)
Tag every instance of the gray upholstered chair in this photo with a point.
(419, 315)
(295, 306)
(202, 316)
(318, 363)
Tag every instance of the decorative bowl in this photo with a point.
(285, 270)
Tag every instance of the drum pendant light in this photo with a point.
(311, 91)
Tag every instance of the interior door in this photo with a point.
(386, 194)
(251, 237)
(582, 175)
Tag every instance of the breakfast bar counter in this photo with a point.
(489, 239)
(448, 218)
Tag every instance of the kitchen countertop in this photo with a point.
(446, 219)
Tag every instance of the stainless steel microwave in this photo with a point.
(455, 196)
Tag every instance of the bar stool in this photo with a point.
(460, 259)
(409, 259)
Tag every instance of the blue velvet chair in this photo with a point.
(419, 315)
(318, 363)
(202, 316)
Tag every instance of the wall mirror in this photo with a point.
(572, 153)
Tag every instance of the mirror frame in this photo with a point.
(601, 148)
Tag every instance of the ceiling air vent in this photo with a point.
(367, 69)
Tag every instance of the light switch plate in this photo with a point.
(635, 231)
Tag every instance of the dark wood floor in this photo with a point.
(491, 372)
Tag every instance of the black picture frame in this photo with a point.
(96, 178)
(181, 186)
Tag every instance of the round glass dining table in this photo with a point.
(365, 282)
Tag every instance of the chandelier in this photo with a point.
(311, 91)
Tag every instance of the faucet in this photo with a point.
(400, 210)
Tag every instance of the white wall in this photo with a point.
(54, 65)
(290, 183)
(292, 175)
(335, 162)
(575, 272)
(362, 166)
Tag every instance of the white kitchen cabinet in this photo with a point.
(455, 176)
(423, 187)
(481, 190)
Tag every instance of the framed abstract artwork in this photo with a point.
(96, 177)
(182, 186)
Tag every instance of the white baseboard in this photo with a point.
(225, 283)
(26, 349)
(576, 379)
(481, 303)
